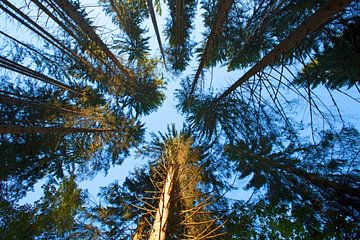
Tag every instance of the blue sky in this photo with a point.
(167, 113)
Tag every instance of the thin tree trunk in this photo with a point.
(12, 129)
(42, 105)
(33, 26)
(156, 28)
(221, 17)
(29, 47)
(161, 218)
(69, 9)
(13, 66)
(322, 16)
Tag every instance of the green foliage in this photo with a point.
(338, 64)
(306, 183)
(144, 95)
(304, 190)
(17, 222)
(177, 30)
(54, 216)
(129, 16)
(26, 158)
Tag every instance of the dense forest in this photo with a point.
(271, 154)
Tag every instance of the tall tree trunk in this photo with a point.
(156, 28)
(13, 66)
(348, 194)
(221, 17)
(42, 105)
(158, 231)
(29, 47)
(69, 9)
(12, 129)
(322, 16)
(36, 28)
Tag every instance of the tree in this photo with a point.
(128, 16)
(53, 216)
(221, 17)
(167, 200)
(82, 115)
(310, 25)
(316, 183)
(336, 65)
(50, 136)
(177, 31)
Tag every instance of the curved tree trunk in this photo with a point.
(322, 16)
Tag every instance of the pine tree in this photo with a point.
(167, 200)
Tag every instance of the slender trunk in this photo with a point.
(221, 17)
(29, 47)
(12, 129)
(13, 66)
(350, 195)
(69, 9)
(33, 26)
(322, 16)
(36, 104)
(156, 28)
(161, 218)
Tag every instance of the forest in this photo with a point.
(268, 90)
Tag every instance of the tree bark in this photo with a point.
(158, 231)
(12, 129)
(322, 16)
(156, 28)
(140, 228)
(13, 66)
(36, 104)
(33, 26)
(221, 17)
(69, 9)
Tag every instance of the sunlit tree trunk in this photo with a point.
(12, 129)
(140, 228)
(221, 18)
(156, 28)
(161, 218)
(322, 16)
(69, 9)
